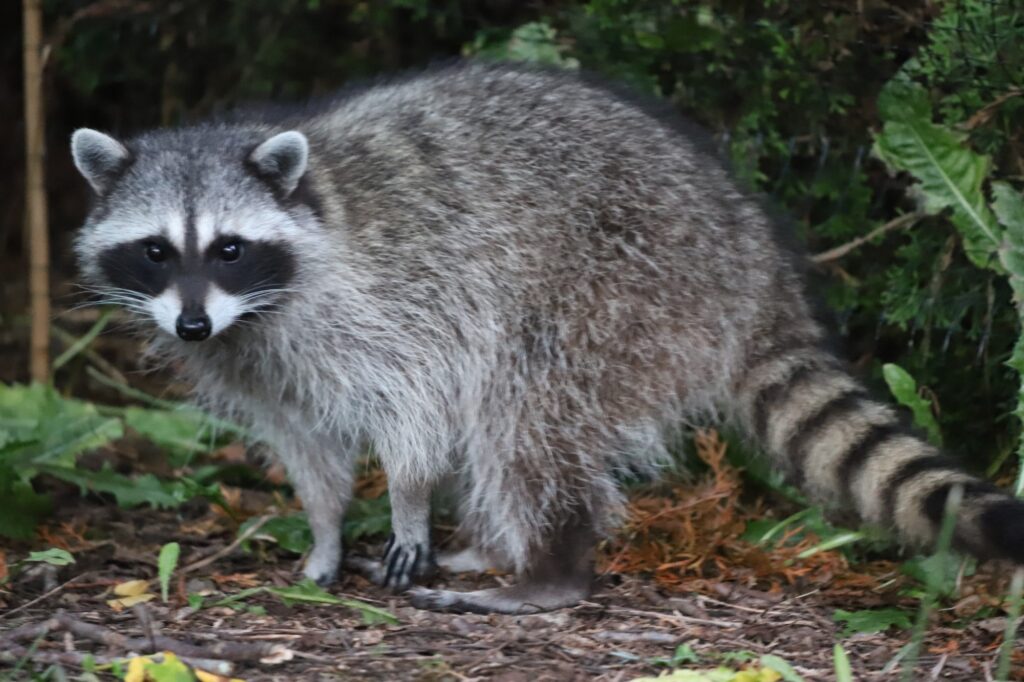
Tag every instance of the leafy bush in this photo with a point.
(43, 433)
(849, 119)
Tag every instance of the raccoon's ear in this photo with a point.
(281, 160)
(98, 157)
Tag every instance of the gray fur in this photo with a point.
(521, 280)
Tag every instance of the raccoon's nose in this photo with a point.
(193, 327)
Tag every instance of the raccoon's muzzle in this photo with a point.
(193, 326)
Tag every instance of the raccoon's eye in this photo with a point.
(155, 253)
(230, 252)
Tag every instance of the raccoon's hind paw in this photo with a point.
(402, 564)
(435, 600)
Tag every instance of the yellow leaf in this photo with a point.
(131, 588)
(128, 602)
(136, 669)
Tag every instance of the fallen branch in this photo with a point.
(214, 657)
(840, 251)
(45, 595)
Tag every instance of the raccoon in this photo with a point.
(514, 282)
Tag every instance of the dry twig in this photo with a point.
(225, 551)
(840, 251)
(212, 657)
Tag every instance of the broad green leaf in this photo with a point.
(129, 491)
(53, 556)
(904, 389)
(904, 100)
(182, 433)
(949, 174)
(872, 620)
(41, 427)
(1008, 205)
(166, 563)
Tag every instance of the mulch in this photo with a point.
(629, 628)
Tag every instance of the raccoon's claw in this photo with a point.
(404, 563)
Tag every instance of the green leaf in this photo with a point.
(780, 666)
(53, 556)
(308, 591)
(1008, 205)
(535, 42)
(834, 542)
(182, 432)
(367, 518)
(166, 563)
(684, 653)
(24, 508)
(904, 389)
(843, 671)
(949, 174)
(291, 532)
(170, 669)
(872, 620)
(131, 491)
(40, 427)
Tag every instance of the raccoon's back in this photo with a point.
(553, 198)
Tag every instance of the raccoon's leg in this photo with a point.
(560, 576)
(322, 478)
(408, 555)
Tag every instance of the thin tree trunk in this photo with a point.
(35, 192)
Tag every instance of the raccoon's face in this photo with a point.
(192, 229)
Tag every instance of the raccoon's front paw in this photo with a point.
(322, 566)
(402, 564)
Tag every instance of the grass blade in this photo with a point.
(844, 673)
(934, 584)
(83, 343)
(1012, 623)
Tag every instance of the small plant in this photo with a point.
(166, 563)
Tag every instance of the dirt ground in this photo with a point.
(629, 628)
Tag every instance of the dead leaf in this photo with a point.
(242, 580)
(278, 654)
(128, 602)
(131, 588)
